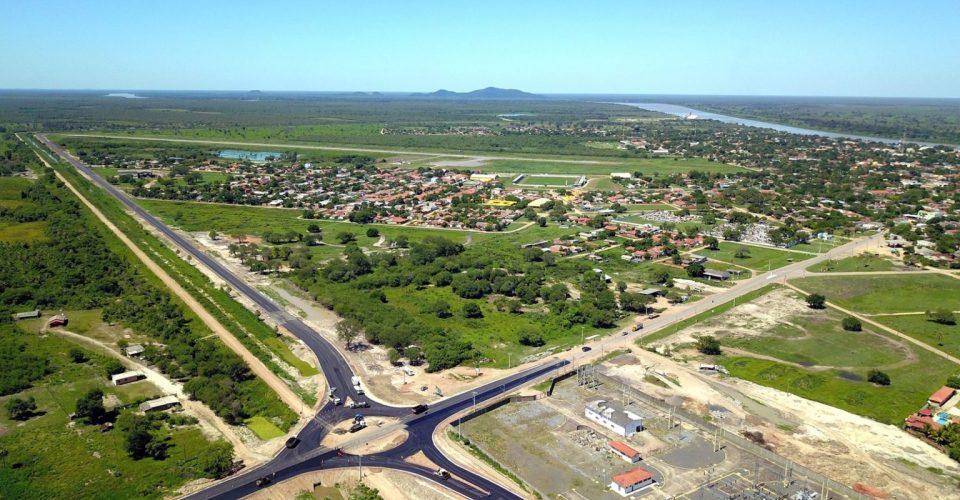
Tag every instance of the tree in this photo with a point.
(21, 409)
(113, 367)
(878, 377)
(364, 492)
(471, 310)
(661, 276)
(816, 301)
(531, 338)
(542, 222)
(345, 237)
(213, 235)
(695, 270)
(77, 355)
(742, 253)
(348, 330)
(707, 344)
(621, 286)
(216, 460)
(90, 407)
(373, 232)
(712, 243)
(313, 229)
(441, 309)
(942, 316)
(852, 324)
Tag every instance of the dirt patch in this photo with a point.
(340, 433)
(390, 483)
(755, 318)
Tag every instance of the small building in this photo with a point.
(28, 315)
(484, 178)
(159, 404)
(696, 259)
(625, 452)
(613, 416)
(713, 274)
(633, 480)
(127, 377)
(941, 397)
(652, 292)
(134, 350)
(58, 320)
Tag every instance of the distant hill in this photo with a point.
(487, 93)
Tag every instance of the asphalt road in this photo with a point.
(308, 456)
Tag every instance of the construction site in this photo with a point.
(558, 452)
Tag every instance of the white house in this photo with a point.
(127, 377)
(633, 480)
(611, 415)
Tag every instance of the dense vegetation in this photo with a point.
(74, 268)
(503, 280)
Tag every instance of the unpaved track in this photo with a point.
(284, 391)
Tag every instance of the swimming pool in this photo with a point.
(941, 418)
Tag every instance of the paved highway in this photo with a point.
(310, 457)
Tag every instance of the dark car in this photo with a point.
(263, 481)
(292, 442)
(419, 409)
(585, 349)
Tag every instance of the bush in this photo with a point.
(373, 232)
(708, 345)
(471, 310)
(77, 355)
(878, 377)
(942, 316)
(695, 270)
(346, 237)
(852, 324)
(816, 301)
(21, 409)
(113, 367)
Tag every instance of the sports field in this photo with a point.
(549, 180)
(758, 258)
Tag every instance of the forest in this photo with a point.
(75, 268)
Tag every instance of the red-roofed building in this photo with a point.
(626, 483)
(941, 397)
(626, 452)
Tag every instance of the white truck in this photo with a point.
(355, 380)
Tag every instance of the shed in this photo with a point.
(630, 481)
(625, 451)
(652, 292)
(159, 404)
(134, 350)
(28, 315)
(127, 377)
(58, 320)
(716, 275)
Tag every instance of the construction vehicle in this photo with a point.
(420, 408)
(355, 380)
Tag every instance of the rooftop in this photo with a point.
(632, 477)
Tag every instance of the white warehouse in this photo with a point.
(613, 416)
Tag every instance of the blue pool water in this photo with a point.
(941, 418)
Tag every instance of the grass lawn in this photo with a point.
(10, 187)
(909, 389)
(263, 428)
(820, 246)
(19, 232)
(549, 180)
(759, 258)
(605, 166)
(943, 337)
(720, 309)
(649, 207)
(886, 293)
(640, 219)
(859, 263)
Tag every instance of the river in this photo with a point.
(683, 111)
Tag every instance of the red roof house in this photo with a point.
(943, 395)
(626, 452)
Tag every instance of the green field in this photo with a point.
(823, 362)
(49, 457)
(263, 428)
(943, 337)
(10, 187)
(820, 246)
(605, 166)
(859, 263)
(548, 180)
(247, 220)
(14, 232)
(887, 293)
(760, 259)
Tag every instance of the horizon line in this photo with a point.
(411, 92)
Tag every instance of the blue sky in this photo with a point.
(810, 47)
